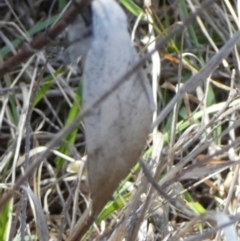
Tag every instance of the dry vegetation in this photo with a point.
(188, 188)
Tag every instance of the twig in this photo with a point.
(39, 42)
(171, 200)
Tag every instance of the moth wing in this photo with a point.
(116, 131)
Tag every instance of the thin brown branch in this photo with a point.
(39, 42)
(81, 228)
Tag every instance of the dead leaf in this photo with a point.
(41, 225)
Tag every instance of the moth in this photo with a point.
(117, 129)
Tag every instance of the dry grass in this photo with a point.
(192, 152)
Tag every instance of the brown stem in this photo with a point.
(39, 42)
(82, 226)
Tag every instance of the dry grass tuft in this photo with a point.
(187, 187)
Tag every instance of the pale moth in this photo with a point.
(116, 131)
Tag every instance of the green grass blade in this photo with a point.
(112, 207)
(62, 4)
(191, 29)
(71, 137)
(36, 29)
(5, 221)
(132, 7)
(48, 82)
